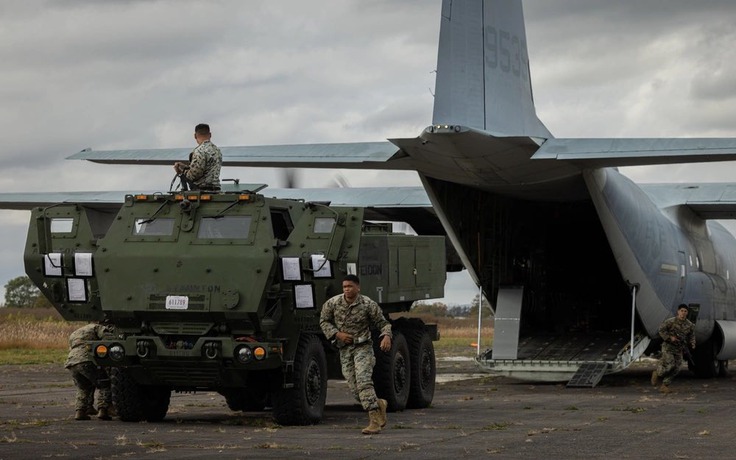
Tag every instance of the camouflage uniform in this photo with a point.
(87, 376)
(204, 167)
(357, 359)
(671, 360)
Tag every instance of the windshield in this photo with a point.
(225, 227)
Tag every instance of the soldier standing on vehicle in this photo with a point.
(203, 170)
(677, 333)
(346, 320)
(87, 376)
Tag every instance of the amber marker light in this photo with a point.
(243, 197)
(101, 351)
(192, 197)
(179, 197)
(259, 353)
(141, 197)
(205, 198)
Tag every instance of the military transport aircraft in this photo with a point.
(581, 263)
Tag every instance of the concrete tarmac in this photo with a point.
(471, 416)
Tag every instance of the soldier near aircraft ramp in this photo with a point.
(677, 333)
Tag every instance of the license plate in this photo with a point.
(177, 302)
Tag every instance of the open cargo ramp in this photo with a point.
(581, 358)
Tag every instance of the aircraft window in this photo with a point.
(225, 227)
(324, 224)
(156, 227)
(62, 225)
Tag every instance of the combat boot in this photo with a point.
(655, 378)
(374, 427)
(104, 414)
(81, 415)
(665, 389)
(382, 405)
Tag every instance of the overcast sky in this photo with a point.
(142, 73)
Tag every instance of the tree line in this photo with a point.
(440, 309)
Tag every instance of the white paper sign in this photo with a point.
(77, 289)
(303, 296)
(52, 264)
(352, 268)
(322, 266)
(83, 264)
(291, 268)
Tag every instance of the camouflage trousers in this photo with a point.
(88, 377)
(669, 363)
(357, 367)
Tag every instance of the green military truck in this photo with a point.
(222, 292)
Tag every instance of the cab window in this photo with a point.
(62, 224)
(156, 227)
(324, 224)
(224, 227)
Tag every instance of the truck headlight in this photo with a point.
(117, 352)
(243, 354)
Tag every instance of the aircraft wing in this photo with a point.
(383, 203)
(26, 201)
(357, 155)
(706, 200)
(599, 153)
(582, 152)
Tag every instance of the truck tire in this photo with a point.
(392, 373)
(304, 403)
(135, 402)
(423, 369)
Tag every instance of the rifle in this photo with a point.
(184, 183)
(685, 346)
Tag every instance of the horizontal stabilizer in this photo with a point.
(600, 153)
(368, 155)
(706, 200)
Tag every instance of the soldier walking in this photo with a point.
(346, 320)
(677, 333)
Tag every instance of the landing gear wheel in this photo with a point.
(304, 403)
(392, 375)
(723, 368)
(706, 364)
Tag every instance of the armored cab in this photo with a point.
(222, 292)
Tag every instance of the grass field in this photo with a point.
(40, 336)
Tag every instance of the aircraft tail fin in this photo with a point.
(483, 76)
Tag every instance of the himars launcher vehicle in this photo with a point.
(222, 292)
